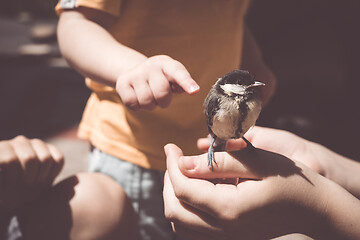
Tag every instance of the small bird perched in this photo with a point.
(232, 106)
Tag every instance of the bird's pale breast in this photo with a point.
(226, 120)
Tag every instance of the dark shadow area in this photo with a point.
(312, 47)
(275, 164)
(50, 217)
(34, 8)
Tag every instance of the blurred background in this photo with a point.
(40, 96)
(312, 47)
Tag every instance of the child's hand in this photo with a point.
(275, 196)
(281, 142)
(152, 83)
(27, 167)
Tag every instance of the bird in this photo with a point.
(231, 108)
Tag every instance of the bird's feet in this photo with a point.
(211, 155)
(248, 144)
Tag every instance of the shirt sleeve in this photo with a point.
(109, 6)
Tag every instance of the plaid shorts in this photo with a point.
(144, 187)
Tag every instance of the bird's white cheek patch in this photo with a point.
(233, 89)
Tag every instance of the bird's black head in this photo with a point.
(240, 77)
(238, 82)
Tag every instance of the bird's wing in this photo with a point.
(211, 106)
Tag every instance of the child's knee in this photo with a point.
(100, 204)
(85, 206)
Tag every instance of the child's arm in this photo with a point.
(142, 82)
(337, 168)
(320, 159)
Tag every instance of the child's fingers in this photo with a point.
(58, 164)
(161, 89)
(235, 144)
(127, 95)
(226, 166)
(27, 157)
(10, 167)
(198, 193)
(44, 158)
(144, 96)
(203, 144)
(177, 73)
(181, 215)
(175, 88)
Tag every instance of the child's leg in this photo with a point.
(144, 187)
(86, 206)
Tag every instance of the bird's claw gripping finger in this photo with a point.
(248, 144)
(211, 155)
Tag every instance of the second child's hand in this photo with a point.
(277, 194)
(27, 168)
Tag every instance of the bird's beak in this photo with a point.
(256, 84)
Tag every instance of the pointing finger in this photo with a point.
(178, 74)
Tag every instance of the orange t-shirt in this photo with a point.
(204, 35)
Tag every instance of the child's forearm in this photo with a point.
(346, 172)
(342, 170)
(92, 51)
(342, 215)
